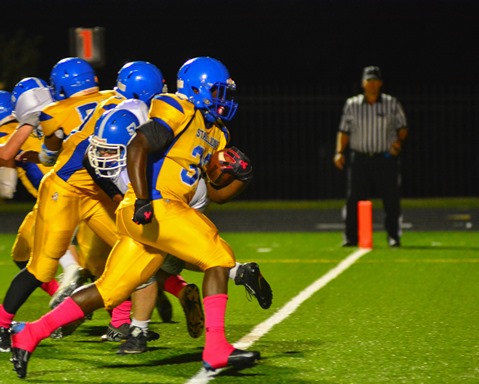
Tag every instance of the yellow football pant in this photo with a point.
(60, 208)
(176, 229)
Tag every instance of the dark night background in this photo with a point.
(306, 55)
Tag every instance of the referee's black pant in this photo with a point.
(371, 176)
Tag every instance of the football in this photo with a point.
(214, 170)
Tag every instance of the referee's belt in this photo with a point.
(373, 154)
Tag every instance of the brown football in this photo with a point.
(216, 176)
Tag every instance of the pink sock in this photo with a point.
(28, 338)
(5, 318)
(50, 287)
(217, 349)
(121, 314)
(174, 284)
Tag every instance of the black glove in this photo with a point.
(143, 211)
(239, 165)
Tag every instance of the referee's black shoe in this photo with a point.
(394, 243)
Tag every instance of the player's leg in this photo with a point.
(22, 248)
(192, 237)
(170, 280)
(54, 227)
(128, 266)
(143, 300)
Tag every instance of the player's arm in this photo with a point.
(15, 141)
(108, 186)
(48, 154)
(227, 193)
(151, 136)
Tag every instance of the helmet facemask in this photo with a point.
(217, 100)
(107, 159)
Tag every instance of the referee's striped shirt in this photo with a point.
(372, 127)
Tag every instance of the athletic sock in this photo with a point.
(217, 348)
(232, 272)
(142, 324)
(50, 287)
(121, 314)
(29, 337)
(5, 318)
(175, 284)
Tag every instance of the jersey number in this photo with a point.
(192, 175)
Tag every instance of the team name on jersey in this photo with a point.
(207, 139)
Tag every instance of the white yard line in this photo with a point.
(203, 377)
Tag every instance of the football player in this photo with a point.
(28, 97)
(165, 161)
(107, 160)
(30, 174)
(67, 195)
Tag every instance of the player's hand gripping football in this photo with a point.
(238, 165)
(143, 211)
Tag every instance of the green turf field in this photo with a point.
(408, 315)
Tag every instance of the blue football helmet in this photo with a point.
(6, 106)
(140, 80)
(71, 75)
(26, 85)
(107, 149)
(208, 85)
(29, 96)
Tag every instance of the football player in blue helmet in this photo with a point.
(140, 80)
(208, 85)
(6, 106)
(107, 149)
(70, 76)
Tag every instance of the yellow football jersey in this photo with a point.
(68, 114)
(175, 174)
(72, 115)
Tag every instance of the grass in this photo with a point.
(407, 315)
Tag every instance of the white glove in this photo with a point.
(8, 182)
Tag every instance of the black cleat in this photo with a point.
(190, 300)
(152, 335)
(116, 334)
(238, 359)
(164, 307)
(250, 276)
(19, 360)
(5, 342)
(134, 343)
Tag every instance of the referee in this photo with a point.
(374, 126)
